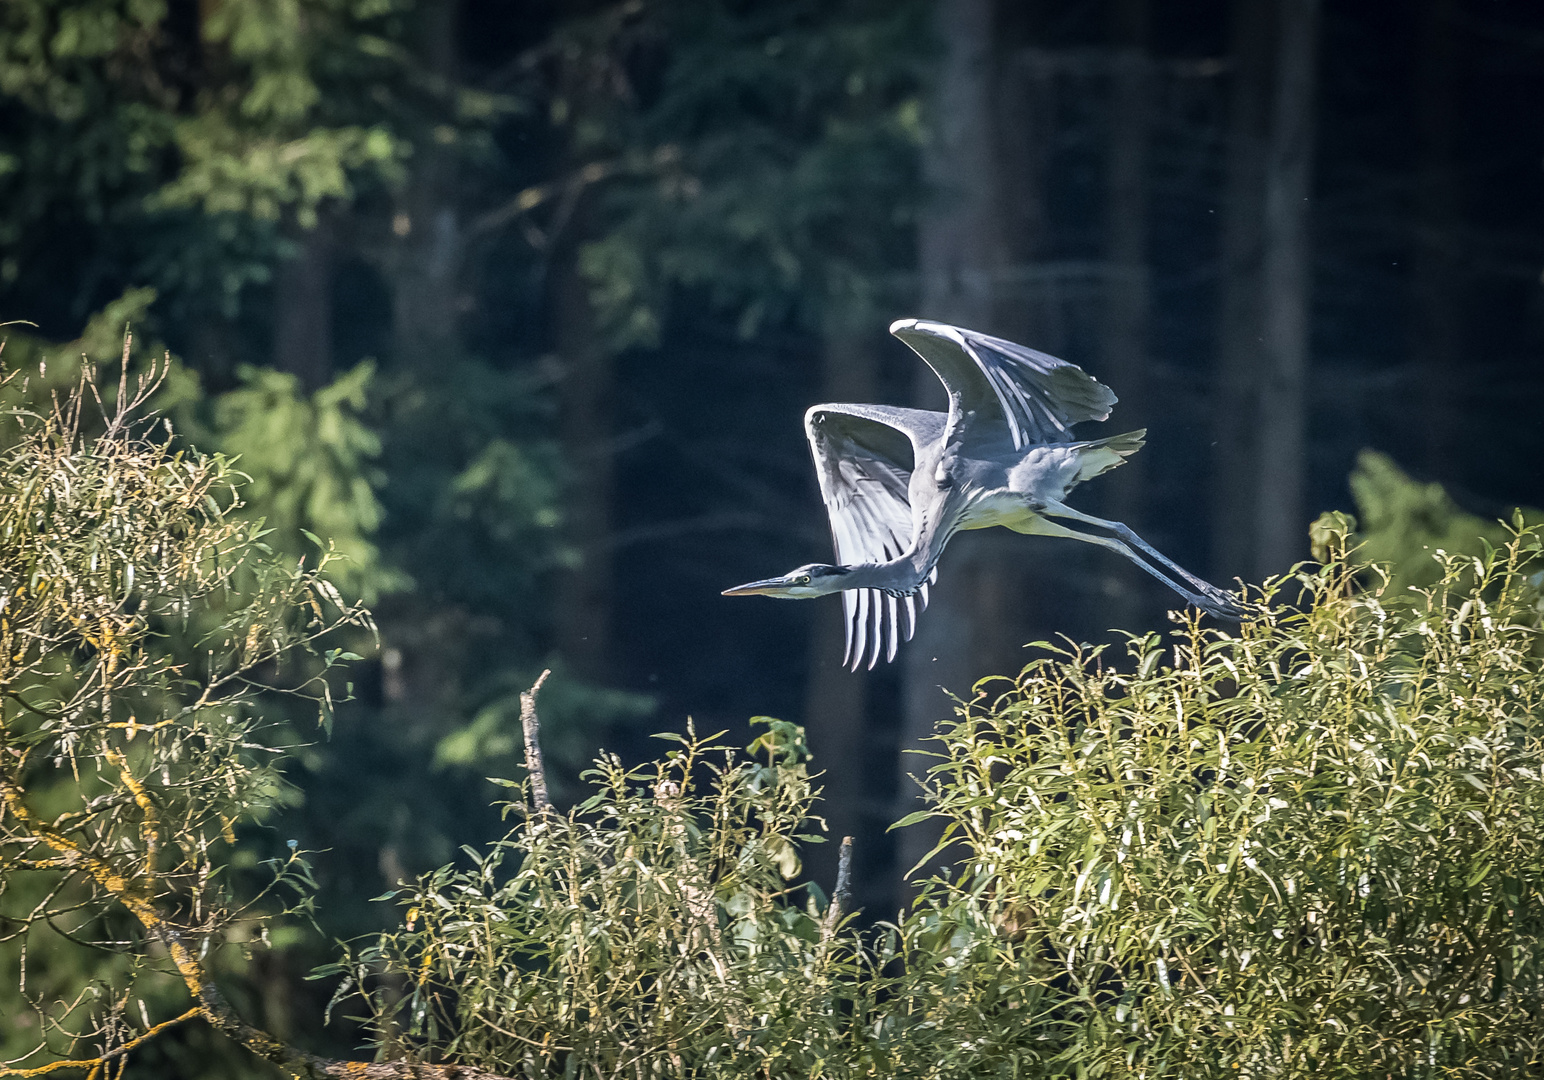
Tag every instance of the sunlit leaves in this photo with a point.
(1310, 849)
(182, 133)
(142, 621)
(307, 461)
(651, 924)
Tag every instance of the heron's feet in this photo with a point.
(1221, 604)
(1232, 611)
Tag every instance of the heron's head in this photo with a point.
(816, 579)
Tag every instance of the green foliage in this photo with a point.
(649, 927)
(186, 134)
(259, 135)
(51, 368)
(1404, 521)
(1311, 849)
(309, 465)
(142, 625)
(305, 463)
(769, 168)
(473, 510)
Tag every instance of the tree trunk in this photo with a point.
(960, 256)
(1281, 523)
(422, 268)
(584, 593)
(1126, 313)
(836, 703)
(426, 278)
(1261, 410)
(302, 338)
(959, 252)
(425, 294)
(1435, 285)
(1239, 331)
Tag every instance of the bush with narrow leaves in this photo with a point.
(1313, 847)
(652, 926)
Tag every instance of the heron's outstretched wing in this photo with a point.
(864, 456)
(1039, 396)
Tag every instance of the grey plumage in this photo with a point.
(898, 483)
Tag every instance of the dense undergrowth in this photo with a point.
(1311, 847)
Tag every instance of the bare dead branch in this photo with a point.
(841, 896)
(95, 1064)
(123, 385)
(531, 724)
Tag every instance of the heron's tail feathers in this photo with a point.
(1099, 457)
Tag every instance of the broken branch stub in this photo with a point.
(541, 803)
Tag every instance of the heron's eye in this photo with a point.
(804, 579)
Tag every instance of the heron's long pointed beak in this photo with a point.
(767, 587)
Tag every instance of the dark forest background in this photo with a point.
(521, 304)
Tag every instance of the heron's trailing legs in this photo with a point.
(1222, 606)
(1202, 594)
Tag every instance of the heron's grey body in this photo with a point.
(898, 483)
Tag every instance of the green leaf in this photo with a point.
(913, 818)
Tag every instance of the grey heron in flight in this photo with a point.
(898, 483)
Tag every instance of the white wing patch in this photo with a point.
(877, 620)
(863, 460)
(865, 454)
(1041, 396)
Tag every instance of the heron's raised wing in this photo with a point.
(1039, 396)
(864, 456)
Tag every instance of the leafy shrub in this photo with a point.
(1313, 849)
(142, 623)
(650, 927)
(1309, 849)
(1403, 521)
